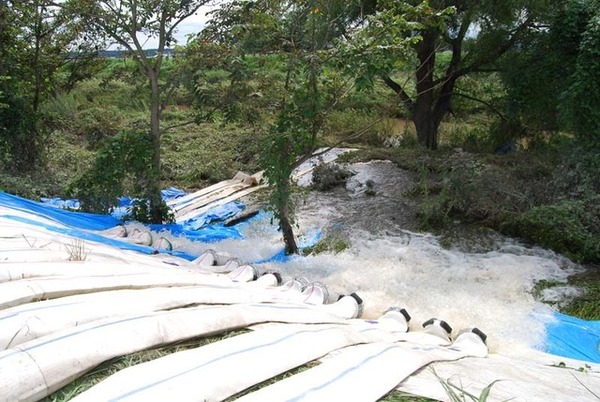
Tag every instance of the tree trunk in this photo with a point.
(288, 232)
(427, 130)
(154, 194)
(422, 113)
(431, 103)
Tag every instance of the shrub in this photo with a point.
(21, 140)
(578, 175)
(197, 155)
(98, 123)
(333, 243)
(569, 227)
(345, 125)
(121, 167)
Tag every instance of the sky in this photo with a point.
(190, 26)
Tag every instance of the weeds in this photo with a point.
(458, 394)
(76, 250)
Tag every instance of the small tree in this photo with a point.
(304, 37)
(36, 41)
(129, 24)
(582, 98)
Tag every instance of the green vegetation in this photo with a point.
(331, 243)
(327, 176)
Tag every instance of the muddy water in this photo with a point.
(388, 265)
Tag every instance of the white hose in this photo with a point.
(39, 367)
(16, 271)
(364, 372)
(28, 290)
(29, 321)
(221, 369)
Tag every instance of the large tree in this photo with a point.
(476, 33)
(129, 24)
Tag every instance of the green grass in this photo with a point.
(586, 306)
(399, 396)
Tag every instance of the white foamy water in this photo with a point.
(388, 266)
(488, 290)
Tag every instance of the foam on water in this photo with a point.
(489, 290)
(389, 266)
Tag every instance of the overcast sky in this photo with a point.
(190, 26)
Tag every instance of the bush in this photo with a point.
(570, 227)
(578, 174)
(21, 140)
(330, 244)
(194, 156)
(345, 125)
(122, 166)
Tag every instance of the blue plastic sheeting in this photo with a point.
(215, 214)
(125, 202)
(170, 193)
(190, 229)
(573, 337)
(73, 219)
(206, 234)
(203, 227)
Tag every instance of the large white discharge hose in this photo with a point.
(36, 368)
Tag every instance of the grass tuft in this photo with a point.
(77, 251)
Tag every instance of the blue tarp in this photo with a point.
(79, 220)
(206, 234)
(190, 228)
(573, 337)
(73, 205)
(217, 214)
(79, 224)
(170, 193)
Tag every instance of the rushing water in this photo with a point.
(390, 266)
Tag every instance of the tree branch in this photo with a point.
(404, 97)
(489, 105)
(499, 51)
(186, 123)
